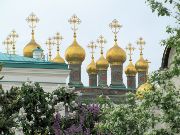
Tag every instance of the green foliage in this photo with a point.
(8, 105)
(34, 101)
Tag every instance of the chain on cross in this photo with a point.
(141, 43)
(101, 41)
(130, 48)
(92, 46)
(115, 27)
(49, 44)
(75, 21)
(58, 38)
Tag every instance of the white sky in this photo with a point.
(135, 16)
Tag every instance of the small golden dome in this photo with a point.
(29, 48)
(146, 87)
(141, 64)
(130, 69)
(75, 54)
(116, 55)
(91, 68)
(58, 59)
(102, 63)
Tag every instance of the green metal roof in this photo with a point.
(17, 61)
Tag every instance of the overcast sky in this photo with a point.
(135, 16)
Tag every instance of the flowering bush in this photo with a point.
(29, 110)
(81, 121)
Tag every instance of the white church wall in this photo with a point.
(49, 79)
(176, 80)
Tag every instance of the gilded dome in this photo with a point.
(102, 63)
(141, 64)
(146, 87)
(75, 54)
(29, 48)
(116, 55)
(58, 59)
(130, 70)
(91, 68)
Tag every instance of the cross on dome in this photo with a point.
(75, 21)
(130, 48)
(141, 43)
(115, 27)
(92, 46)
(101, 41)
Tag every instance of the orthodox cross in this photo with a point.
(7, 42)
(92, 46)
(49, 44)
(58, 38)
(32, 19)
(75, 21)
(141, 43)
(130, 48)
(13, 35)
(101, 41)
(115, 27)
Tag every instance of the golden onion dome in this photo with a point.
(141, 64)
(75, 54)
(130, 70)
(58, 59)
(116, 55)
(91, 68)
(29, 48)
(102, 63)
(144, 88)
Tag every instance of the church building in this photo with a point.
(51, 72)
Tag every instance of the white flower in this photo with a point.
(22, 112)
(59, 86)
(43, 116)
(38, 110)
(78, 93)
(72, 115)
(13, 129)
(27, 84)
(0, 108)
(32, 84)
(31, 122)
(47, 99)
(74, 104)
(69, 89)
(55, 97)
(49, 107)
(107, 97)
(59, 106)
